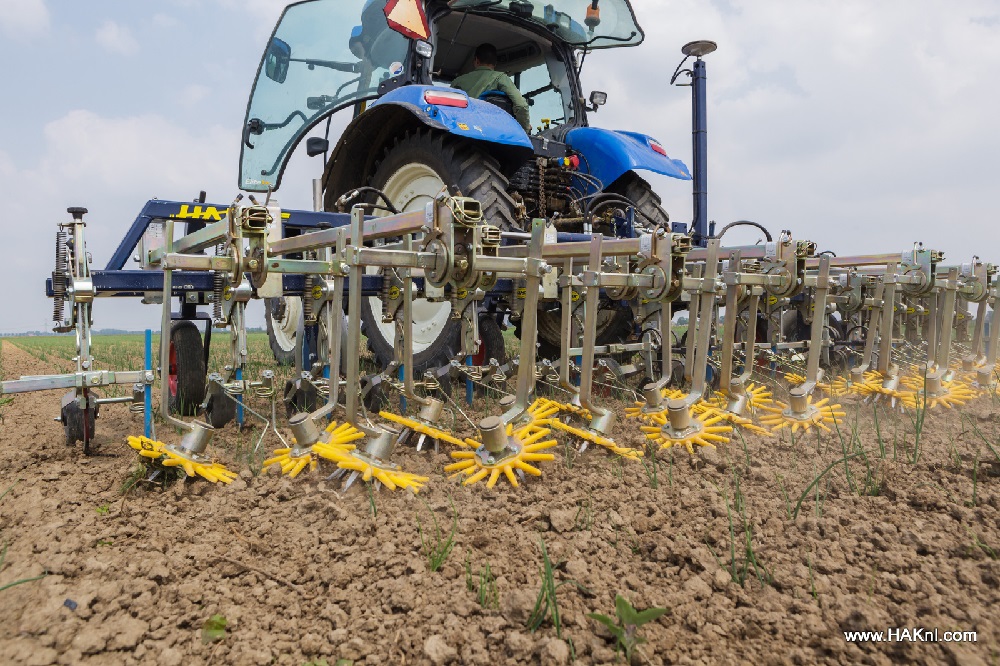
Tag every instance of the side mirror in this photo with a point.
(598, 98)
(316, 145)
(276, 60)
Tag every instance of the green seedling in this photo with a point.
(975, 482)
(584, 519)
(484, 584)
(629, 621)
(22, 581)
(104, 510)
(977, 543)
(438, 550)
(802, 498)
(214, 629)
(652, 467)
(371, 500)
(547, 605)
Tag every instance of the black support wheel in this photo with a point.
(79, 424)
(186, 369)
(220, 408)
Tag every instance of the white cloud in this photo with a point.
(116, 38)
(23, 18)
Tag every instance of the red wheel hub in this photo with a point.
(172, 370)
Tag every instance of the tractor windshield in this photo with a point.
(577, 22)
(318, 60)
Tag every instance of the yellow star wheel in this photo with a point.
(526, 446)
(952, 393)
(703, 431)
(422, 428)
(292, 461)
(191, 464)
(817, 414)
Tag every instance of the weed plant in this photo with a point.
(629, 621)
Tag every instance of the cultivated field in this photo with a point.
(765, 550)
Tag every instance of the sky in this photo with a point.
(864, 126)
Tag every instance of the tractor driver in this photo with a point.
(484, 78)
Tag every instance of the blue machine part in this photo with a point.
(458, 114)
(609, 154)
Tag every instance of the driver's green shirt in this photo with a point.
(481, 79)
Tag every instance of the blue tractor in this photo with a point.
(413, 135)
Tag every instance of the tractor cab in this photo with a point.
(328, 55)
(537, 46)
(414, 136)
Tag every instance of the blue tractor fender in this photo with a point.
(610, 154)
(453, 111)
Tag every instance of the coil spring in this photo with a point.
(307, 301)
(218, 286)
(59, 277)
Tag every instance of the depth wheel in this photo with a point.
(79, 425)
(186, 369)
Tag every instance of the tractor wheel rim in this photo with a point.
(411, 188)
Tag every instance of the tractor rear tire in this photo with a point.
(640, 192)
(411, 168)
(186, 369)
(615, 321)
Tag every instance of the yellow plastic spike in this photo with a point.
(704, 431)
(168, 457)
(818, 414)
(422, 428)
(543, 408)
(146, 447)
(594, 438)
(527, 439)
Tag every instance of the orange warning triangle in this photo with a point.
(408, 18)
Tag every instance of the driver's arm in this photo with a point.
(505, 85)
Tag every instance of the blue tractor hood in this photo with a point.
(610, 154)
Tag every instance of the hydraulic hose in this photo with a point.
(745, 223)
